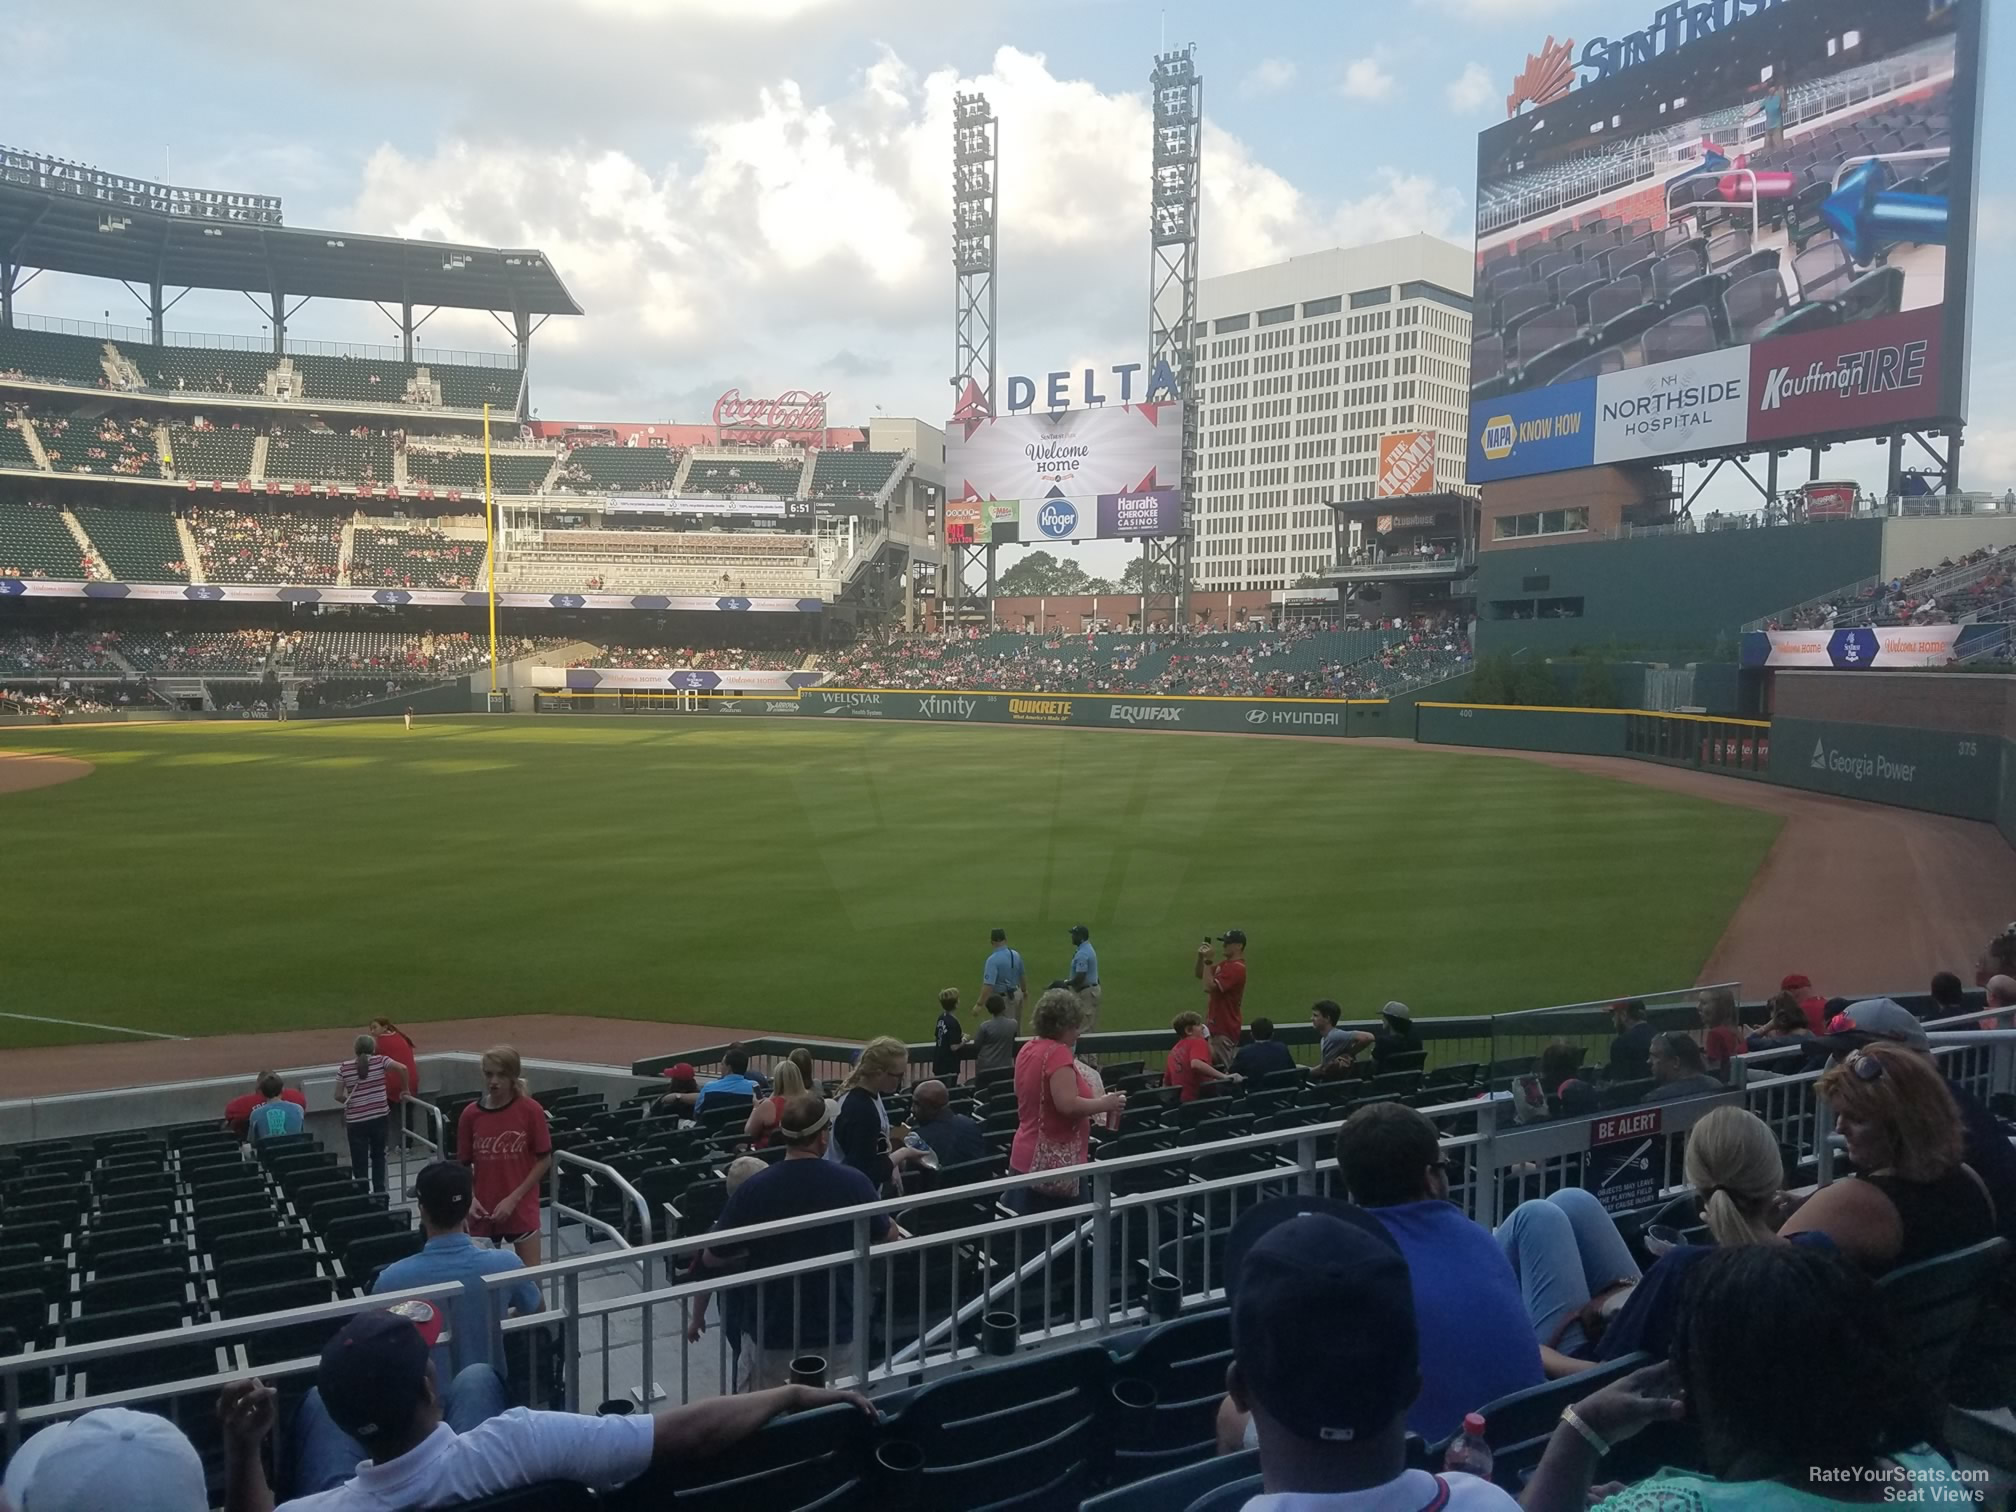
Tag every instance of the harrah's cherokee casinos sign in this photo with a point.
(793, 413)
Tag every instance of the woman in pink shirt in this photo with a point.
(1056, 1103)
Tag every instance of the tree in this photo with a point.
(1596, 686)
(1099, 585)
(1491, 680)
(1041, 575)
(1533, 683)
(1160, 577)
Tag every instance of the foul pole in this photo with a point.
(490, 537)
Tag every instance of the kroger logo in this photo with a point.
(1057, 519)
(1140, 714)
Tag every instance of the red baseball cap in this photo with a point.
(1795, 981)
(684, 1068)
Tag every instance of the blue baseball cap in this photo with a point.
(1322, 1317)
(373, 1374)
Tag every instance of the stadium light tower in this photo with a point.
(976, 162)
(1174, 196)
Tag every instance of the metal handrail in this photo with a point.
(1494, 1163)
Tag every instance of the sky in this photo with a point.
(755, 193)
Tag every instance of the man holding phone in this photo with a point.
(1225, 992)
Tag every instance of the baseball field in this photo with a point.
(208, 878)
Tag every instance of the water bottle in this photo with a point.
(1467, 1451)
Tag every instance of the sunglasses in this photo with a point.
(1866, 1067)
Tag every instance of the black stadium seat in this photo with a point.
(1752, 305)
(818, 1459)
(1689, 333)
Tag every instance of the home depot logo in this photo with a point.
(1406, 464)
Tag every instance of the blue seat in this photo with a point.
(1177, 1378)
(1518, 1425)
(1175, 1490)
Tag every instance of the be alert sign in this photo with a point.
(1406, 465)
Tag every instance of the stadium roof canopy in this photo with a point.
(66, 232)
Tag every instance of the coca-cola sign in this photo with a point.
(792, 413)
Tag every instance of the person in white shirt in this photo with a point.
(376, 1384)
(1325, 1359)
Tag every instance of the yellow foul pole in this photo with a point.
(490, 536)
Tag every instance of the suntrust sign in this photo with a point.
(1673, 27)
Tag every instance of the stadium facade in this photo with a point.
(1305, 366)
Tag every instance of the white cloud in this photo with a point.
(1268, 76)
(1367, 79)
(1471, 90)
(801, 240)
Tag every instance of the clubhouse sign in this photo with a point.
(1867, 373)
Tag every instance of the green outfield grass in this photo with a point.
(828, 880)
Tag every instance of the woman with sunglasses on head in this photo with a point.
(1912, 1196)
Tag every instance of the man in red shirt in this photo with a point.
(1225, 992)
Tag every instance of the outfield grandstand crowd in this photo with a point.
(1385, 1349)
(1301, 659)
(1978, 587)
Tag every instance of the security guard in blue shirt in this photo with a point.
(1085, 977)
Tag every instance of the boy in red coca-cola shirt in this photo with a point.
(503, 1138)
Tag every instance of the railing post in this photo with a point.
(1305, 1163)
(861, 1279)
(570, 1331)
(1484, 1172)
(1823, 1138)
(1102, 1248)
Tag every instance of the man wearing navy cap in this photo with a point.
(376, 1384)
(1324, 1357)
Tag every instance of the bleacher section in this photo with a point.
(620, 469)
(370, 380)
(751, 474)
(137, 546)
(389, 653)
(35, 653)
(210, 651)
(241, 547)
(299, 455)
(645, 561)
(851, 474)
(127, 449)
(462, 471)
(35, 543)
(212, 454)
(412, 558)
(200, 370)
(14, 446)
(155, 1231)
(46, 357)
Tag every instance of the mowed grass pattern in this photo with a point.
(824, 880)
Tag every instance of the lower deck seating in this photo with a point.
(184, 651)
